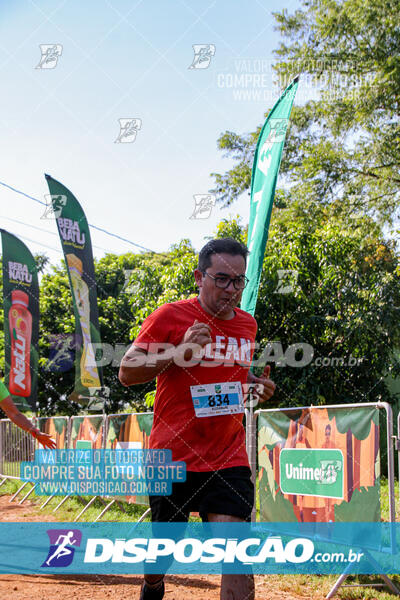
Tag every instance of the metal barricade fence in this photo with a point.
(87, 432)
(127, 430)
(118, 431)
(335, 408)
(16, 446)
(57, 427)
(398, 450)
(312, 462)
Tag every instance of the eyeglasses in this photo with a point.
(223, 281)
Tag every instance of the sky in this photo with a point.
(125, 60)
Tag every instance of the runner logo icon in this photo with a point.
(203, 54)
(61, 551)
(50, 55)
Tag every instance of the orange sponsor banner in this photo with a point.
(354, 432)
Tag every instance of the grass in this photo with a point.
(385, 500)
(71, 508)
(314, 587)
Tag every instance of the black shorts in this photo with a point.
(225, 492)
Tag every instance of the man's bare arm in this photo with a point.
(12, 412)
(139, 366)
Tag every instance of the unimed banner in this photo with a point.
(127, 432)
(57, 427)
(87, 432)
(319, 465)
(21, 321)
(77, 247)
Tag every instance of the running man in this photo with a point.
(212, 443)
(62, 550)
(7, 405)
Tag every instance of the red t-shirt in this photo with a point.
(205, 443)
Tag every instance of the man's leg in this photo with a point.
(153, 587)
(165, 509)
(233, 587)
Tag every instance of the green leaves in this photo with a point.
(344, 303)
(343, 300)
(344, 147)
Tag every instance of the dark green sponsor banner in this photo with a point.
(21, 321)
(312, 472)
(267, 160)
(74, 234)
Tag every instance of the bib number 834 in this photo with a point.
(218, 400)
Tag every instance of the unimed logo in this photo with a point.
(62, 547)
(312, 472)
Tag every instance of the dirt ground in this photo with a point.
(110, 587)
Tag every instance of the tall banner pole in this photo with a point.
(21, 321)
(267, 160)
(75, 240)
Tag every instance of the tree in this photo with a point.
(343, 149)
(344, 304)
(129, 288)
(339, 307)
(339, 184)
(343, 301)
(119, 304)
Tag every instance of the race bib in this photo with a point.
(216, 399)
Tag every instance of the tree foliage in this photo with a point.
(340, 181)
(343, 148)
(121, 303)
(344, 302)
